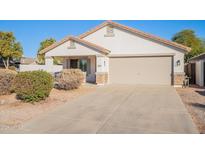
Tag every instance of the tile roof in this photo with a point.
(84, 42)
(198, 57)
(106, 51)
(137, 32)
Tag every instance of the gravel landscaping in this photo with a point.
(14, 112)
(194, 100)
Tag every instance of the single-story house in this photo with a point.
(195, 69)
(118, 54)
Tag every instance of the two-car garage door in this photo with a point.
(140, 70)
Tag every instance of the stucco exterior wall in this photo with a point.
(91, 76)
(92, 64)
(102, 64)
(80, 50)
(49, 61)
(125, 42)
(199, 73)
(48, 68)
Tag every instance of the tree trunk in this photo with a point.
(6, 63)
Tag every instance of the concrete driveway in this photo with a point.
(118, 109)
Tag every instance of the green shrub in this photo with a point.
(33, 86)
(69, 79)
(6, 80)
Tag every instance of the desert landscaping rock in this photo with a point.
(194, 100)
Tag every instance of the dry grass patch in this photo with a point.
(15, 112)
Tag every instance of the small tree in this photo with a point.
(9, 48)
(44, 44)
(189, 39)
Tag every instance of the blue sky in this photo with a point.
(31, 32)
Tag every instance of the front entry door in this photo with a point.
(74, 63)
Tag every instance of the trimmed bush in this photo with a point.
(69, 79)
(6, 80)
(33, 86)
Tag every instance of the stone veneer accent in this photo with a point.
(101, 78)
(178, 78)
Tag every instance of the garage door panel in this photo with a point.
(140, 70)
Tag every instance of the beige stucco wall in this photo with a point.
(127, 43)
(91, 76)
(199, 73)
(80, 50)
(48, 68)
(102, 64)
(92, 64)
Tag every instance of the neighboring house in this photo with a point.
(195, 69)
(27, 61)
(19, 61)
(114, 53)
(31, 64)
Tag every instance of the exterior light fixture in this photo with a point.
(178, 63)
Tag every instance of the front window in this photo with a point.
(80, 64)
(83, 65)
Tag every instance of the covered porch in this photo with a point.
(87, 64)
(80, 54)
(95, 67)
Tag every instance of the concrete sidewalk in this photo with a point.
(117, 109)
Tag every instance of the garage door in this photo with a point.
(140, 70)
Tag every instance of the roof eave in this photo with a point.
(197, 58)
(136, 31)
(54, 45)
(96, 47)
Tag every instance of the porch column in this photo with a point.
(102, 69)
(66, 63)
